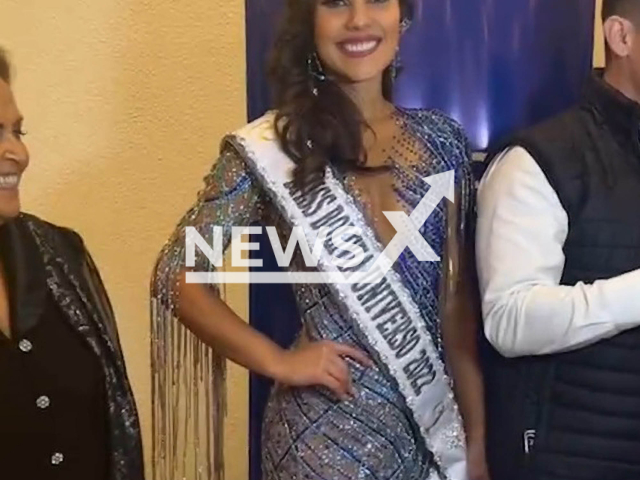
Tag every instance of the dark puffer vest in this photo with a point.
(576, 415)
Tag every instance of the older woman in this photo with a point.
(66, 407)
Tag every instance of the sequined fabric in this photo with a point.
(76, 286)
(308, 433)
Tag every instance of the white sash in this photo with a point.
(384, 312)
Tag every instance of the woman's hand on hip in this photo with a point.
(320, 363)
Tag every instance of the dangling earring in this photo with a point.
(404, 25)
(395, 65)
(314, 67)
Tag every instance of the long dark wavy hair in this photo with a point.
(314, 130)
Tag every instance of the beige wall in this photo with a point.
(125, 102)
(598, 50)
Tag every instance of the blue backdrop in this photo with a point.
(495, 66)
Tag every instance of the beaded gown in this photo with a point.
(307, 432)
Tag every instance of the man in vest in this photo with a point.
(558, 251)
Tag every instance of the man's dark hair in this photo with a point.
(629, 9)
(5, 66)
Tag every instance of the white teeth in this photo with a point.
(9, 181)
(360, 46)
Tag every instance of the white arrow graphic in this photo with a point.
(408, 226)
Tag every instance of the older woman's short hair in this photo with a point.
(5, 66)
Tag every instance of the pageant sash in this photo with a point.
(384, 311)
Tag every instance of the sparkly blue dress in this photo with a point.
(307, 432)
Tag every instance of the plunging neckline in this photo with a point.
(391, 167)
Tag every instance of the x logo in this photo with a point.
(408, 226)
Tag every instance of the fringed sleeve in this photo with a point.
(461, 314)
(459, 252)
(188, 377)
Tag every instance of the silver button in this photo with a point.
(43, 401)
(57, 459)
(25, 345)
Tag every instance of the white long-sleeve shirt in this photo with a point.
(521, 231)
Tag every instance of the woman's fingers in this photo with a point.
(354, 353)
(334, 385)
(340, 370)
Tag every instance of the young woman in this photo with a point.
(66, 407)
(364, 394)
